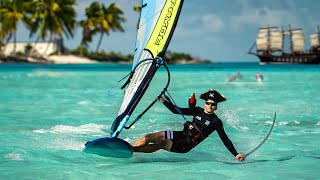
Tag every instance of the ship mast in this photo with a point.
(290, 37)
(318, 33)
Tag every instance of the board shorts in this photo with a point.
(180, 143)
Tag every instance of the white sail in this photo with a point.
(298, 41)
(156, 25)
(263, 33)
(262, 44)
(314, 40)
(262, 40)
(157, 22)
(276, 41)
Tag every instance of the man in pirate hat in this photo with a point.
(204, 122)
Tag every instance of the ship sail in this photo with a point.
(298, 41)
(269, 39)
(276, 40)
(314, 40)
(157, 22)
(262, 40)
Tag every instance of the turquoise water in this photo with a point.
(48, 112)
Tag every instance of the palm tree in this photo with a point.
(110, 18)
(137, 9)
(2, 34)
(89, 25)
(11, 13)
(100, 20)
(56, 17)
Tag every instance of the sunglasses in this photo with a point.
(211, 103)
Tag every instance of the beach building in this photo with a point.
(39, 48)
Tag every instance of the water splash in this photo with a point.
(282, 123)
(64, 137)
(14, 156)
(232, 118)
(82, 129)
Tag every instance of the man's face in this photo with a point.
(210, 106)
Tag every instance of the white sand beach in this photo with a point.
(69, 59)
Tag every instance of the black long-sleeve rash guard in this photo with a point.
(207, 123)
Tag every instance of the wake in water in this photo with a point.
(82, 129)
(64, 137)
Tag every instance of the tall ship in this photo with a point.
(276, 46)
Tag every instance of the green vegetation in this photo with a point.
(11, 13)
(100, 20)
(50, 19)
(55, 19)
(175, 56)
(102, 55)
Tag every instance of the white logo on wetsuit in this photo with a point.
(207, 123)
(198, 117)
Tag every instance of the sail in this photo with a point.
(314, 40)
(276, 40)
(262, 40)
(157, 22)
(298, 41)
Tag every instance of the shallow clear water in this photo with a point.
(48, 112)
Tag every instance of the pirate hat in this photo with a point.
(214, 95)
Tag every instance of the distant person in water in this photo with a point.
(204, 122)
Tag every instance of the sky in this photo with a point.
(216, 30)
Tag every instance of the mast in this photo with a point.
(157, 23)
(290, 37)
(318, 48)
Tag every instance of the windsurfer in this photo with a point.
(204, 122)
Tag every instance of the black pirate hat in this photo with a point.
(214, 95)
